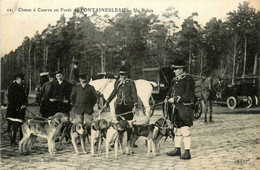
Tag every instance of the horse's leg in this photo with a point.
(145, 98)
(206, 102)
(210, 110)
(112, 109)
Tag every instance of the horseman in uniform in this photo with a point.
(126, 92)
(180, 95)
(127, 99)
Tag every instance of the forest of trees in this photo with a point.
(226, 49)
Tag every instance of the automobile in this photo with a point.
(43, 79)
(243, 93)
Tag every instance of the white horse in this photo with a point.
(144, 91)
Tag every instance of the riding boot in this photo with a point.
(186, 155)
(210, 119)
(13, 137)
(8, 127)
(175, 152)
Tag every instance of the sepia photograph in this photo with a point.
(130, 84)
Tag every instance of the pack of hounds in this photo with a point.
(99, 131)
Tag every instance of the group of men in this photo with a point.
(62, 96)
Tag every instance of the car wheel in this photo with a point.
(255, 98)
(231, 102)
(249, 102)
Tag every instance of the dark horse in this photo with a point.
(205, 91)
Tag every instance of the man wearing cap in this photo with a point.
(126, 92)
(125, 64)
(126, 101)
(83, 98)
(17, 101)
(180, 95)
(61, 94)
(74, 77)
(46, 107)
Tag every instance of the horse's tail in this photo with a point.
(153, 84)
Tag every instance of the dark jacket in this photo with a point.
(16, 98)
(183, 88)
(61, 91)
(83, 99)
(46, 108)
(126, 93)
(46, 91)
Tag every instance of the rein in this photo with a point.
(125, 113)
(102, 88)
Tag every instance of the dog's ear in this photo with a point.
(155, 131)
(55, 121)
(95, 125)
(79, 128)
(64, 118)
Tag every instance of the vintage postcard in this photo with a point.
(190, 68)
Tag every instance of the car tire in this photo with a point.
(250, 102)
(231, 102)
(255, 98)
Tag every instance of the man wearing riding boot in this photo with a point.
(17, 101)
(180, 95)
(126, 101)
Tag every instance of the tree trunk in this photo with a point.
(30, 68)
(34, 69)
(245, 46)
(46, 58)
(234, 59)
(190, 57)
(201, 63)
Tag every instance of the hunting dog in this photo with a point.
(115, 135)
(152, 133)
(98, 134)
(65, 132)
(82, 131)
(48, 129)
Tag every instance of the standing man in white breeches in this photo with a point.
(180, 95)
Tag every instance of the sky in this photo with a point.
(18, 18)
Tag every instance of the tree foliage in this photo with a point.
(98, 43)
